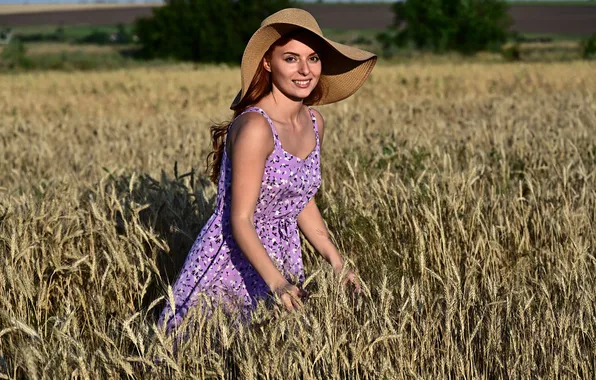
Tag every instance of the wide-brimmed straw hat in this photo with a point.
(345, 68)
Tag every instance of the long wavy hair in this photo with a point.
(259, 87)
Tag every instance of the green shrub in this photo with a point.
(361, 40)
(58, 35)
(104, 37)
(467, 26)
(588, 47)
(386, 43)
(14, 55)
(511, 53)
(5, 34)
(123, 36)
(389, 40)
(96, 37)
(203, 30)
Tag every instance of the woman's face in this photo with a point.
(295, 68)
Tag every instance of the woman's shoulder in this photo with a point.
(251, 126)
(253, 118)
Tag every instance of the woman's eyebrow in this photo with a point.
(289, 52)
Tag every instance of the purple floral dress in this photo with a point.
(215, 265)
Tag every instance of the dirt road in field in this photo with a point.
(568, 19)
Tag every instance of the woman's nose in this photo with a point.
(304, 68)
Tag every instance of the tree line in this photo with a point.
(218, 30)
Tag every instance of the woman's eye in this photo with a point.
(290, 59)
(315, 59)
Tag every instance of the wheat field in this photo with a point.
(463, 194)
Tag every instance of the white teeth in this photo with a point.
(302, 82)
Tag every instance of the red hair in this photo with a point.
(259, 87)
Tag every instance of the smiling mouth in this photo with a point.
(302, 83)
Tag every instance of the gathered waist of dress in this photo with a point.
(286, 226)
(259, 218)
(275, 219)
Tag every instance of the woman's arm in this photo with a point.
(311, 222)
(251, 142)
(313, 227)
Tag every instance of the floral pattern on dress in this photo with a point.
(216, 267)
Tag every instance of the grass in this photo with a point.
(70, 48)
(343, 34)
(555, 37)
(69, 33)
(48, 48)
(69, 57)
(463, 194)
(78, 60)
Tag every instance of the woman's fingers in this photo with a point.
(292, 298)
(352, 279)
(295, 296)
(356, 282)
(287, 301)
(291, 302)
(297, 305)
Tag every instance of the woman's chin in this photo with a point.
(299, 95)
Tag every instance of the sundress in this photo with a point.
(216, 267)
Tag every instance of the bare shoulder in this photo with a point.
(251, 127)
(320, 122)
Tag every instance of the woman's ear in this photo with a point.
(266, 64)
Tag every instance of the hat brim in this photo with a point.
(345, 68)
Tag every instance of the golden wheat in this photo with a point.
(464, 194)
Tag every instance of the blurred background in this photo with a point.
(37, 34)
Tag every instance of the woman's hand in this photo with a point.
(291, 296)
(350, 278)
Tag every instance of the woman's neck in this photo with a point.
(282, 108)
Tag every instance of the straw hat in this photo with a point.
(345, 68)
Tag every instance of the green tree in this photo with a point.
(14, 55)
(203, 30)
(467, 26)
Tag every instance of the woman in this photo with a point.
(266, 164)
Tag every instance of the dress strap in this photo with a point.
(264, 114)
(314, 123)
(276, 140)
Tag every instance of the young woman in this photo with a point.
(267, 166)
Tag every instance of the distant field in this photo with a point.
(35, 8)
(70, 31)
(55, 48)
